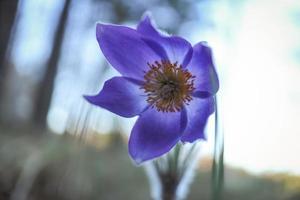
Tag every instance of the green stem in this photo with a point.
(218, 163)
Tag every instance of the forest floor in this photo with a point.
(44, 166)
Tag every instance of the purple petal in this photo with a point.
(125, 50)
(177, 49)
(198, 112)
(146, 27)
(154, 134)
(120, 96)
(201, 66)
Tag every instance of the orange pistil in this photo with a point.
(168, 86)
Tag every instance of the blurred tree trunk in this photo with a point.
(45, 88)
(8, 11)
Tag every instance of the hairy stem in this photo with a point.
(169, 185)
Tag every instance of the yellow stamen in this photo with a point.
(168, 86)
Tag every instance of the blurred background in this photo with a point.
(54, 145)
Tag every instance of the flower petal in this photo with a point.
(146, 27)
(177, 49)
(120, 96)
(201, 66)
(155, 133)
(125, 50)
(198, 112)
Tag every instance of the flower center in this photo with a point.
(168, 86)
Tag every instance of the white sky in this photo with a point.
(261, 89)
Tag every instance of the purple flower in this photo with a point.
(168, 83)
